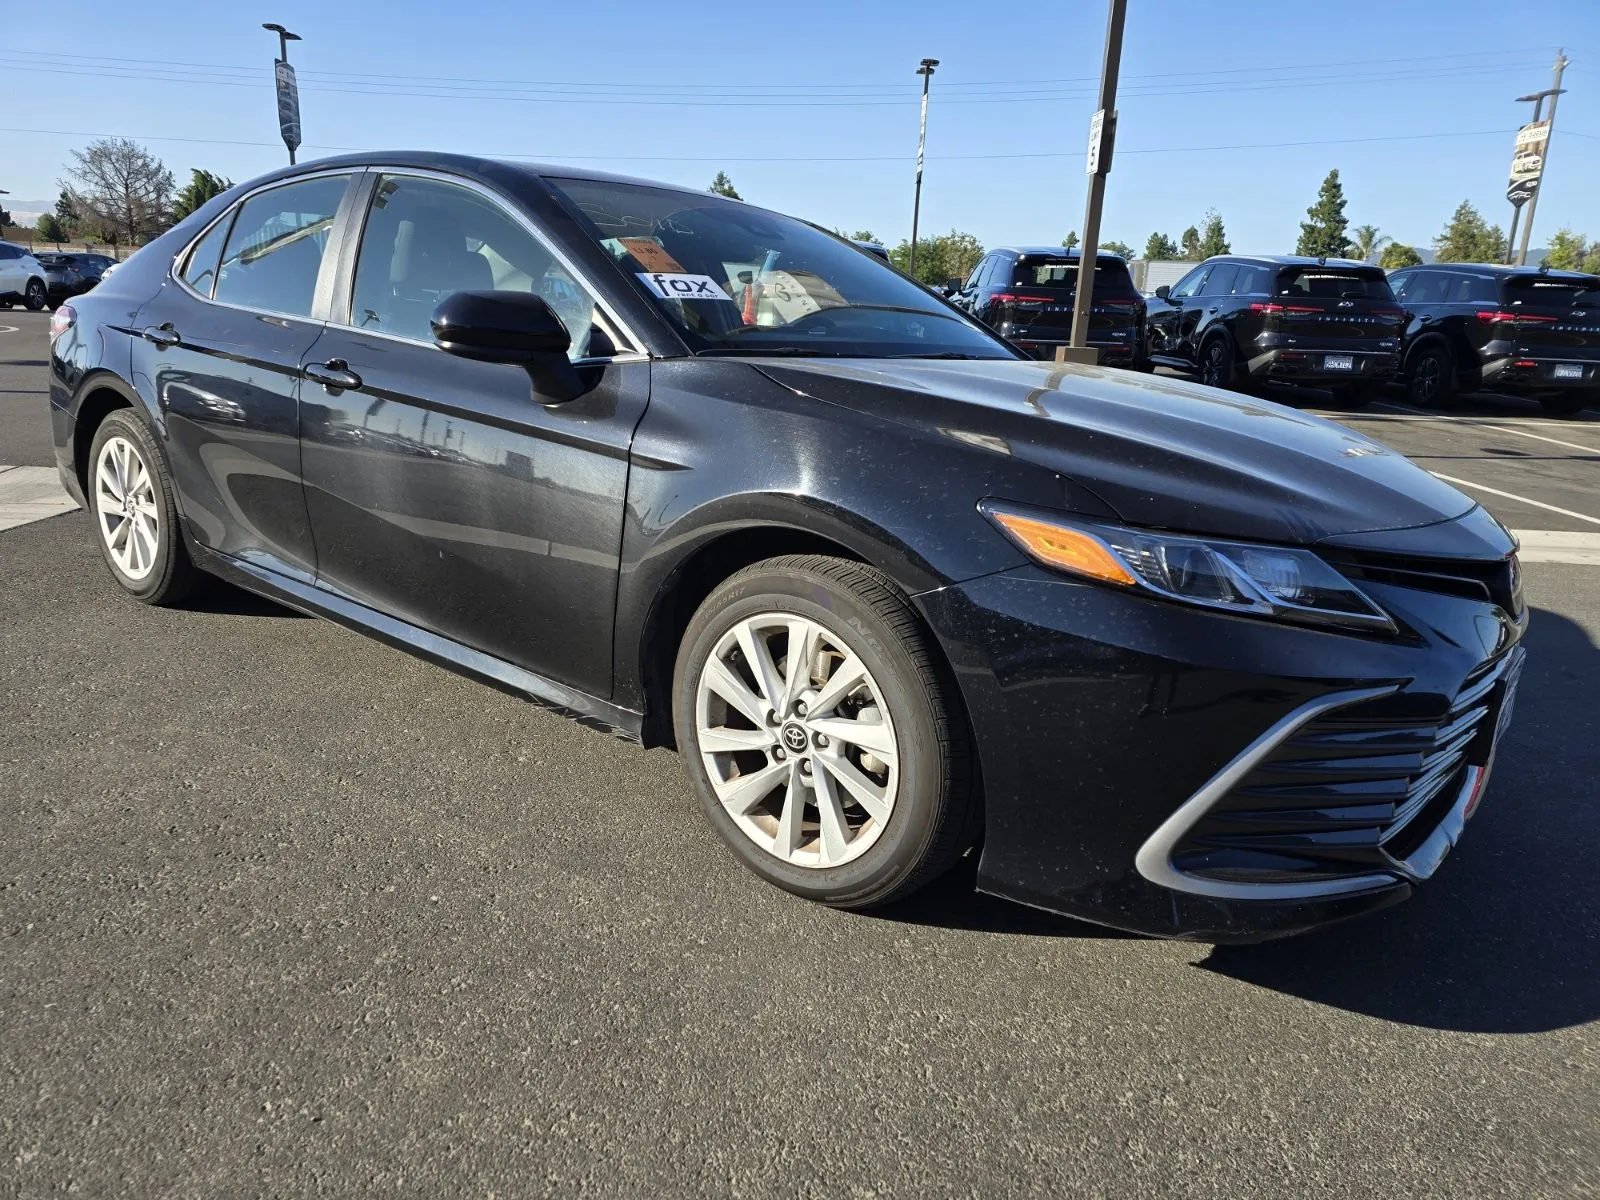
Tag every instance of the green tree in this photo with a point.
(866, 235)
(1591, 261)
(1395, 255)
(1070, 242)
(1468, 238)
(1122, 248)
(66, 210)
(723, 186)
(202, 186)
(1213, 239)
(1365, 241)
(1567, 251)
(1323, 235)
(948, 256)
(5, 217)
(52, 230)
(1190, 243)
(1158, 247)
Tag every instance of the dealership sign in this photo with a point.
(288, 106)
(1527, 162)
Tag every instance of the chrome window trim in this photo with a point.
(231, 211)
(1154, 859)
(621, 356)
(515, 212)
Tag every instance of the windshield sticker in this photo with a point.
(648, 253)
(670, 285)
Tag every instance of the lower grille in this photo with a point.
(1354, 791)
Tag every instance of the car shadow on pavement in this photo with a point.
(226, 600)
(953, 902)
(1505, 939)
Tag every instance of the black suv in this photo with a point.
(1026, 295)
(1327, 323)
(1521, 330)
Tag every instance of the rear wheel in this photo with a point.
(1567, 404)
(35, 296)
(135, 516)
(1217, 367)
(1430, 376)
(820, 732)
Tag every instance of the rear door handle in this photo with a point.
(335, 374)
(161, 335)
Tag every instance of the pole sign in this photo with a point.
(288, 105)
(1527, 162)
(1102, 134)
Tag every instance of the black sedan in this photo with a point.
(698, 474)
(69, 275)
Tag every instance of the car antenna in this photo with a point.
(1322, 260)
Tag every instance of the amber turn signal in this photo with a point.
(1066, 549)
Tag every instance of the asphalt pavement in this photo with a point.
(286, 912)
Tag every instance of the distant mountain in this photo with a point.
(26, 212)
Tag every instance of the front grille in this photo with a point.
(1496, 580)
(1351, 792)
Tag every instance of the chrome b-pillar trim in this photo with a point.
(1154, 859)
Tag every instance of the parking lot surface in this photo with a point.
(287, 912)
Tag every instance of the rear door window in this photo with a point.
(1252, 281)
(274, 251)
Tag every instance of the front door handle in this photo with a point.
(161, 335)
(335, 375)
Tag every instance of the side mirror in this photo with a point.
(515, 328)
(952, 286)
(1163, 292)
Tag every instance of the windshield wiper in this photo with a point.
(944, 354)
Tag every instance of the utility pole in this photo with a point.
(288, 89)
(926, 71)
(1102, 137)
(1554, 93)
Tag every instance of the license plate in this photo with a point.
(1338, 362)
(1567, 371)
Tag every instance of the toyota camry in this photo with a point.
(1161, 656)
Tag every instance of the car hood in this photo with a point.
(1160, 452)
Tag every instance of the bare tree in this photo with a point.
(121, 187)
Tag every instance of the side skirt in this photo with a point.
(318, 602)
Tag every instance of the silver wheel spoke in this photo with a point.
(109, 484)
(761, 665)
(849, 675)
(731, 688)
(794, 808)
(146, 509)
(722, 740)
(867, 794)
(802, 652)
(869, 735)
(830, 815)
(743, 793)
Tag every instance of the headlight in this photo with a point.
(1262, 581)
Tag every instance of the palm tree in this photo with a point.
(1365, 241)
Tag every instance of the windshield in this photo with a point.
(1061, 273)
(740, 280)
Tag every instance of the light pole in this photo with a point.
(1102, 136)
(288, 93)
(1533, 200)
(926, 71)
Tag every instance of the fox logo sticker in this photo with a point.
(671, 286)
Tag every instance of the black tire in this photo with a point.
(1567, 404)
(1430, 376)
(172, 576)
(936, 810)
(35, 297)
(1217, 363)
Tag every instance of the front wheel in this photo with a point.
(1567, 404)
(35, 296)
(135, 516)
(821, 733)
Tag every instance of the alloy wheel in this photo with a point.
(1212, 375)
(125, 507)
(797, 742)
(1425, 379)
(36, 296)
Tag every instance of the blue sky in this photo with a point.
(813, 109)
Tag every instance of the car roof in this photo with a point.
(1504, 270)
(468, 164)
(1053, 251)
(1288, 260)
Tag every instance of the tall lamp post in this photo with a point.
(288, 91)
(926, 71)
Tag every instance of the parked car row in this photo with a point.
(46, 280)
(1241, 321)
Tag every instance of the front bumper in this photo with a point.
(1108, 725)
(1309, 366)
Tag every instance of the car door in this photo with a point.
(447, 492)
(1213, 307)
(1172, 326)
(219, 359)
(11, 280)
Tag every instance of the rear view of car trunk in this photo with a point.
(1550, 327)
(1036, 312)
(1329, 324)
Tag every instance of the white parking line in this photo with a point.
(29, 494)
(1454, 420)
(8, 328)
(1483, 487)
(1559, 546)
